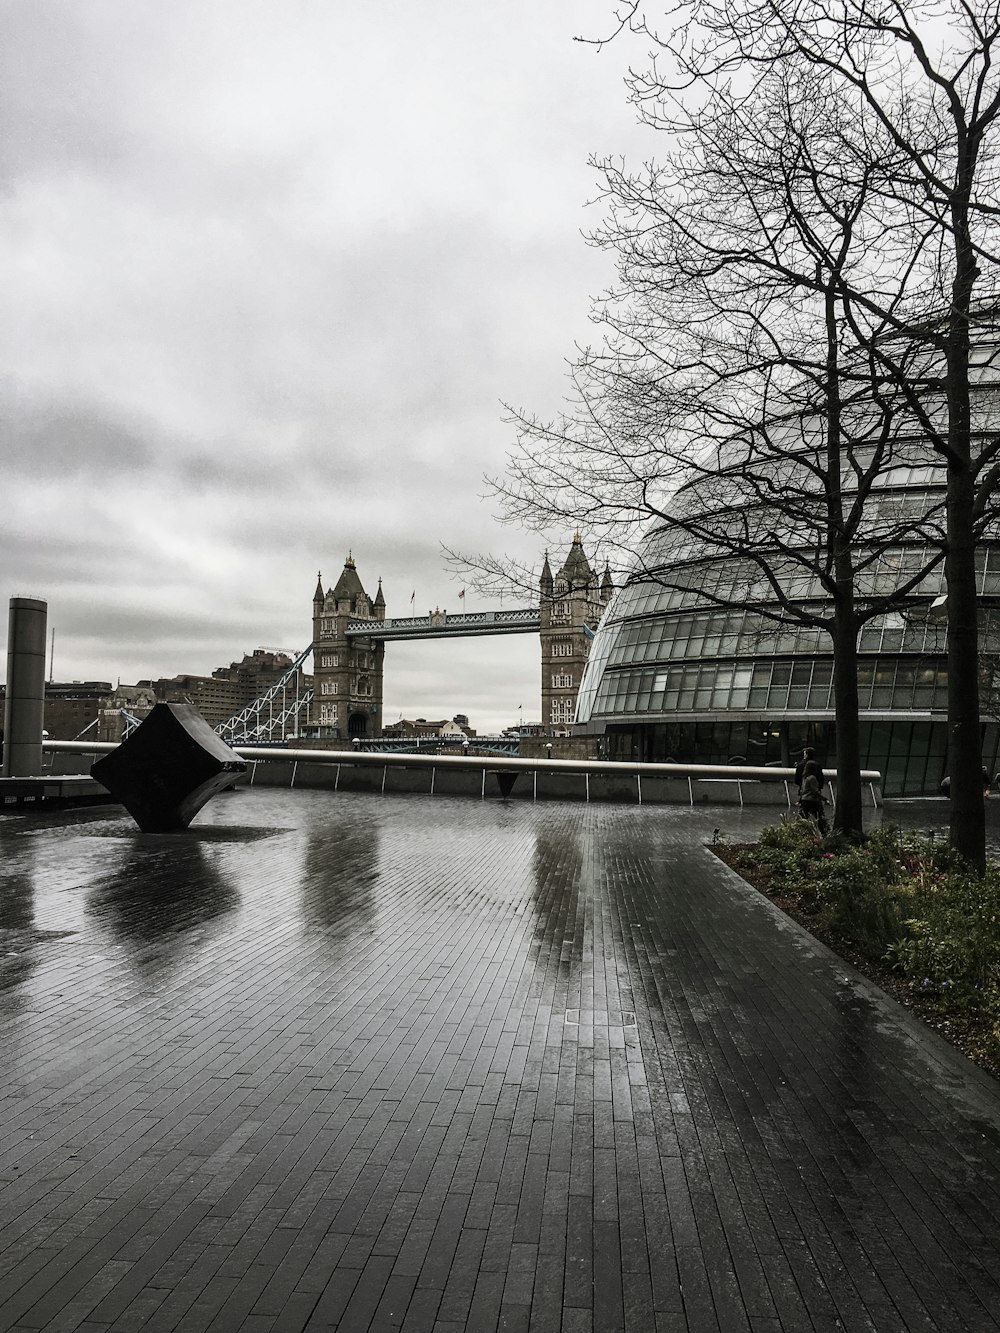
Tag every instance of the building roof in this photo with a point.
(577, 567)
(349, 585)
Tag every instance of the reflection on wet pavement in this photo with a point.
(365, 1062)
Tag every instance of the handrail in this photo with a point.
(717, 772)
(358, 757)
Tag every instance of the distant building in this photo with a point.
(257, 672)
(420, 727)
(89, 709)
(215, 700)
(228, 689)
(73, 708)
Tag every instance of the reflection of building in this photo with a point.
(347, 699)
(572, 603)
(674, 675)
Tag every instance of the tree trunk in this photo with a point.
(965, 763)
(847, 817)
(844, 631)
(965, 760)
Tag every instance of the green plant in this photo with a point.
(903, 902)
(864, 906)
(952, 939)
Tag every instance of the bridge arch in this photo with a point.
(357, 725)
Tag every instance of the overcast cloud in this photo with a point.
(270, 269)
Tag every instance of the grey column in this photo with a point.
(24, 711)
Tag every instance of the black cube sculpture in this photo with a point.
(171, 765)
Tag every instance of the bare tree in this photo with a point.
(924, 78)
(741, 398)
(794, 315)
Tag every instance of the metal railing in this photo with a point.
(709, 776)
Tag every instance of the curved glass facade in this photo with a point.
(687, 665)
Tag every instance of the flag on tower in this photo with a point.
(413, 596)
(461, 595)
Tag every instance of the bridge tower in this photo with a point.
(571, 605)
(347, 673)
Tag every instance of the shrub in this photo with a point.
(953, 933)
(860, 888)
(905, 902)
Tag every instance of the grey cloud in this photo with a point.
(272, 271)
(68, 437)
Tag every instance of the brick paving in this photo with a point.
(334, 1061)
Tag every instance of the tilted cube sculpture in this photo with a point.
(171, 765)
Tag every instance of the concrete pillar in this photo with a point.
(24, 710)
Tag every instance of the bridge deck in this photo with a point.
(343, 1062)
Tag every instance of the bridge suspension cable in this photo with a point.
(270, 714)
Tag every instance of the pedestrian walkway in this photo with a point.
(339, 1061)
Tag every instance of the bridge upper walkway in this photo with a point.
(442, 625)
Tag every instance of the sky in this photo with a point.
(271, 270)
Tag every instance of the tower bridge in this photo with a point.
(350, 631)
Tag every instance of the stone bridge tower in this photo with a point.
(347, 672)
(571, 605)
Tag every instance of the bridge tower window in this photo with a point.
(562, 711)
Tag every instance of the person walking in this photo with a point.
(808, 757)
(811, 798)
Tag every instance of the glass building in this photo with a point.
(687, 664)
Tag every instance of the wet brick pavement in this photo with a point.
(372, 1063)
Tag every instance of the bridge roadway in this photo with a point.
(441, 625)
(342, 1061)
